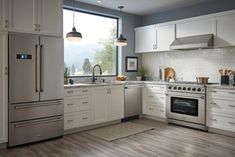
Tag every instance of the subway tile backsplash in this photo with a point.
(190, 64)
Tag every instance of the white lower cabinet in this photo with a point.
(3, 87)
(92, 105)
(154, 100)
(221, 109)
(108, 103)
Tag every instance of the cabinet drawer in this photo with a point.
(221, 93)
(155, 111)
(218, 105)
(74, 104)
(156, 88)
(77, 91)
(156, 99)
(77, 119)
(221, 122)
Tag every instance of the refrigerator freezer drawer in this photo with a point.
(35, 130)
(27, 111)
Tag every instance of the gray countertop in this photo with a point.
(219, 86)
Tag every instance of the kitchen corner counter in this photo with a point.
(219, 86)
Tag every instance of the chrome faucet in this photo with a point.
(93, 72)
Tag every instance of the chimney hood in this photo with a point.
(193, 42)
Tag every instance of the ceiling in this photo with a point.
(144, 7)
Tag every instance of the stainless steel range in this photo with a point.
(186, 104)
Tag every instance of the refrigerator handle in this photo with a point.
(36, 68)
(41, 69)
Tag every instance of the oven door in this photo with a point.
(185, 107)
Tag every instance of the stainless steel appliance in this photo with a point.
(186, 105)
(133, 100)
(35, 88)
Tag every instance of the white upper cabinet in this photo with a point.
(36, 16)
(50, 15)
(225, 31)
(145, 40)
(165, 36)
(116, 107)
(3, 87)
(3, 14)
(195, 27)
(23, 16)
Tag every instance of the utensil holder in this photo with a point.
(234, 80)
(225, 80)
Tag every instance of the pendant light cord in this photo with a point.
(73, 13)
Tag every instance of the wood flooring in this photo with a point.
(164, 141)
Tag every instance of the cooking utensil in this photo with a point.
(221, 71)
(202, 80)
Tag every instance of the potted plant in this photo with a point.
(142, 73)
(66, 75)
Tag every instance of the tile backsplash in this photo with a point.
(190, 64)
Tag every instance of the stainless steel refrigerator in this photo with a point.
(35, 88)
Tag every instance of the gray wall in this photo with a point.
(211, 6)
(129, 22)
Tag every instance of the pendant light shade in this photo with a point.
(121, 41)
(74, 35)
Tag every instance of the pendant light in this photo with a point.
(74, 35)
(121, 41)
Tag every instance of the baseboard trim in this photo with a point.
(221, 132)
(154, 118)
(80, 129)
(3, 145)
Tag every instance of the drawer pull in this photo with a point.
(232, 123)
(213, 103)
(85, 102)
(215, 120)
(233, 106)
(213, 91)
(85, 118)
(69, 121)
(69, 104)
(69, 92)
(231, 92)
(84, 91)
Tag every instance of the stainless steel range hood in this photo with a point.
(193, 42)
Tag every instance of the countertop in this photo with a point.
(219, 86)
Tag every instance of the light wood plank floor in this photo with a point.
(164, 141)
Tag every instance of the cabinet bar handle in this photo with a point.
(85, 118)
(232, 106)
(69, 92)
(69, 104)
(85, 102)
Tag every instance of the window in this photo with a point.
(96, 47)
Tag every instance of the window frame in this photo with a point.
(102, 15)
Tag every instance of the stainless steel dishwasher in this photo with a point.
(133, 100)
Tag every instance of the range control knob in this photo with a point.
(189, 89)
(169, 87)
(194, 89)
(179, 88)
(175, 88)
(184, 88)
(199, 89)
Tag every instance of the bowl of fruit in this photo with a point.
(121, 78)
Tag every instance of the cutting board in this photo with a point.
(169, 73)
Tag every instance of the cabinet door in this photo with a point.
(100, 100)
(23, 16)
(165, 36)
(116, 103)
(196, 27)
(3, 87)
(3, 14)
(225, 31)
(145, 40)
(50, 17)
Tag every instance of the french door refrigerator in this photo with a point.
(35, 88)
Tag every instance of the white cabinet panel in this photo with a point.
(196, 27)
(221, 122)
(3, 14)
(116, 105)
(100, 103)
(165, 36)
(78, 103)
(50, 17)
(225, 31)
(145, 40)
(3, 87)
(23, 15)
